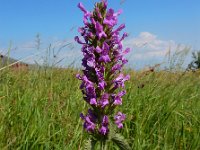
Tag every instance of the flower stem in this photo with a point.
(103, 145)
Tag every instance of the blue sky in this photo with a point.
(157, 21)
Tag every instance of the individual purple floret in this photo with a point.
(90, 120)
(117, 98)
(104, 100)
(119, 118)
(103, 61)
(104, 126)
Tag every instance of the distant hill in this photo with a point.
(5, 60)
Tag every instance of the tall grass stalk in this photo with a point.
(39, 111)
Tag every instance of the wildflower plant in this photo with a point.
(102, 80)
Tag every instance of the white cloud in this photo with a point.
(147, 43)
(148, 49)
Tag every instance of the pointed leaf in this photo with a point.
(120, 141)
(90, 144)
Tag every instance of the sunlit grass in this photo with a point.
(39, 109)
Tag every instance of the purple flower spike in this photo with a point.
(102, 82)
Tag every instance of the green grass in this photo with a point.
(39, 109)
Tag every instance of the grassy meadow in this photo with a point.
(39, 109)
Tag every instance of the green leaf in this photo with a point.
(120, 141)
(90, 144)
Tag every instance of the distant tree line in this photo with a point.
(195, 63)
